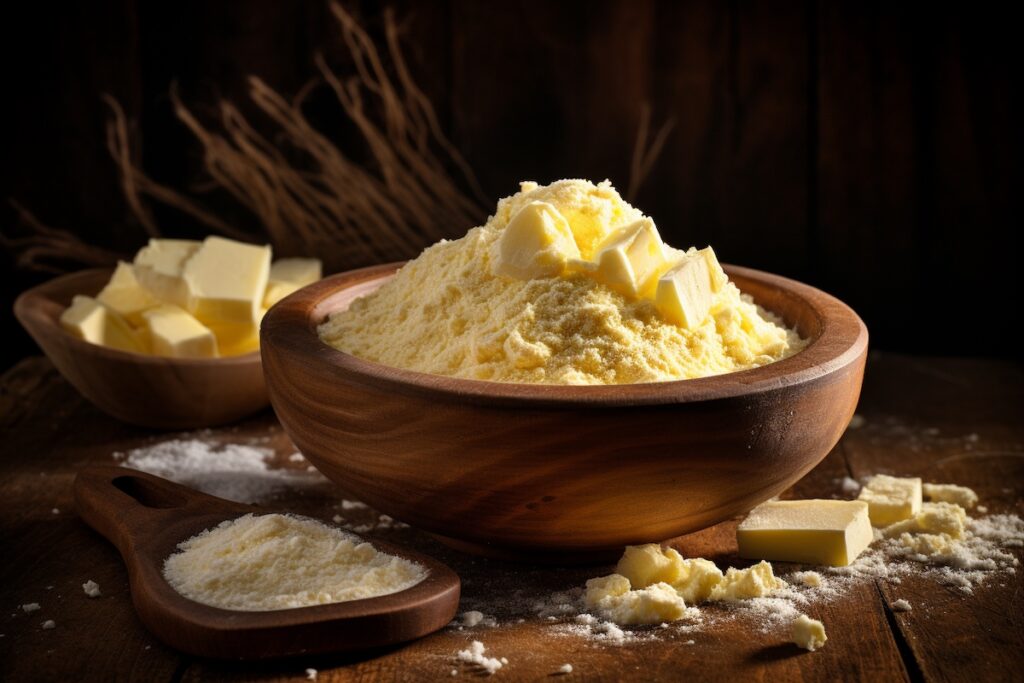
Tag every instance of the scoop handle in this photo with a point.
(125, 505)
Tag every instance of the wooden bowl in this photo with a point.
(563, 472)
(151, 391)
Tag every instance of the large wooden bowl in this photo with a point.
(151, 391)
(522, 470)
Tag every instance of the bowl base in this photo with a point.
(534, 555)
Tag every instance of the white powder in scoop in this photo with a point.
(237, 472)
(268, 562)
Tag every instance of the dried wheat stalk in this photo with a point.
(348, 213)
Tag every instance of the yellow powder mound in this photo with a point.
(446, 313)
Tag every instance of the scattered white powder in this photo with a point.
(298, 457)
(337, 519)
(565, 669)
(91, 588)
(857, 421)
(353, 505)
(311, 674)
(850, 486)
(475, 655)
(30, 607)
(48, 624)
(901, 605)
(474, 618)
(236, 472)
(55, 511)
(269, 562)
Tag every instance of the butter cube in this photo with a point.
(227, 281)
(88, 319)
(536, 243)
(630, 259)
(807, 633)
(288, 275)
(685, 292)
(174, 332)
(159, 266)
(950, 493)
(829, 532)
(236, 339)
(891, 499)
(125, 296)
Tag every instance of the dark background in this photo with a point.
(871, 149)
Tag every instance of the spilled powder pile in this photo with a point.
(447, 313)
(237, 472)
(269, 562)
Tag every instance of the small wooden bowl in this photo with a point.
(151, 391)
(563, 472)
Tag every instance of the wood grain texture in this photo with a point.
(518, 468)
(150, 391)
(49, 432)
(146, 517)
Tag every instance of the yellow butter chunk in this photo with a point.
(950, 493)
(536, 243)
(685, 293)
(289, 274)
(236, 339)
(743, 584)
(630, 259)
(227, 280)
(932, 518)
(125, 296)
(829, 532)
(647, 564)
(159, 265)
(614, 599)
(807, 633)
(891, 499)
(174, 332)
(88, 319)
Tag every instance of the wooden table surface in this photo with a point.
(948, 420)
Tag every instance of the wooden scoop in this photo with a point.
(146, 517)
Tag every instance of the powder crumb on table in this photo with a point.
(353, 505)
(49, 624)
(91, 588)
(55, 511)
(311, 674)
(807, 633)
(30, 607)
(565, 669)
(475, 655)
(901, 605)
(296, 457)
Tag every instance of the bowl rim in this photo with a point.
(27, 312)
(289, 327)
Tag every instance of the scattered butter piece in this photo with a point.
(227, 281)
(807, 633)
(901, 605)
(891, 499)
(289, 274)
(933, 518)
(536, 243)
(829, 532)
(175, 333)
(125, 296)
(159, 266)
(90, 320)
(951, 493)
(613, 598)
(742, 584)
